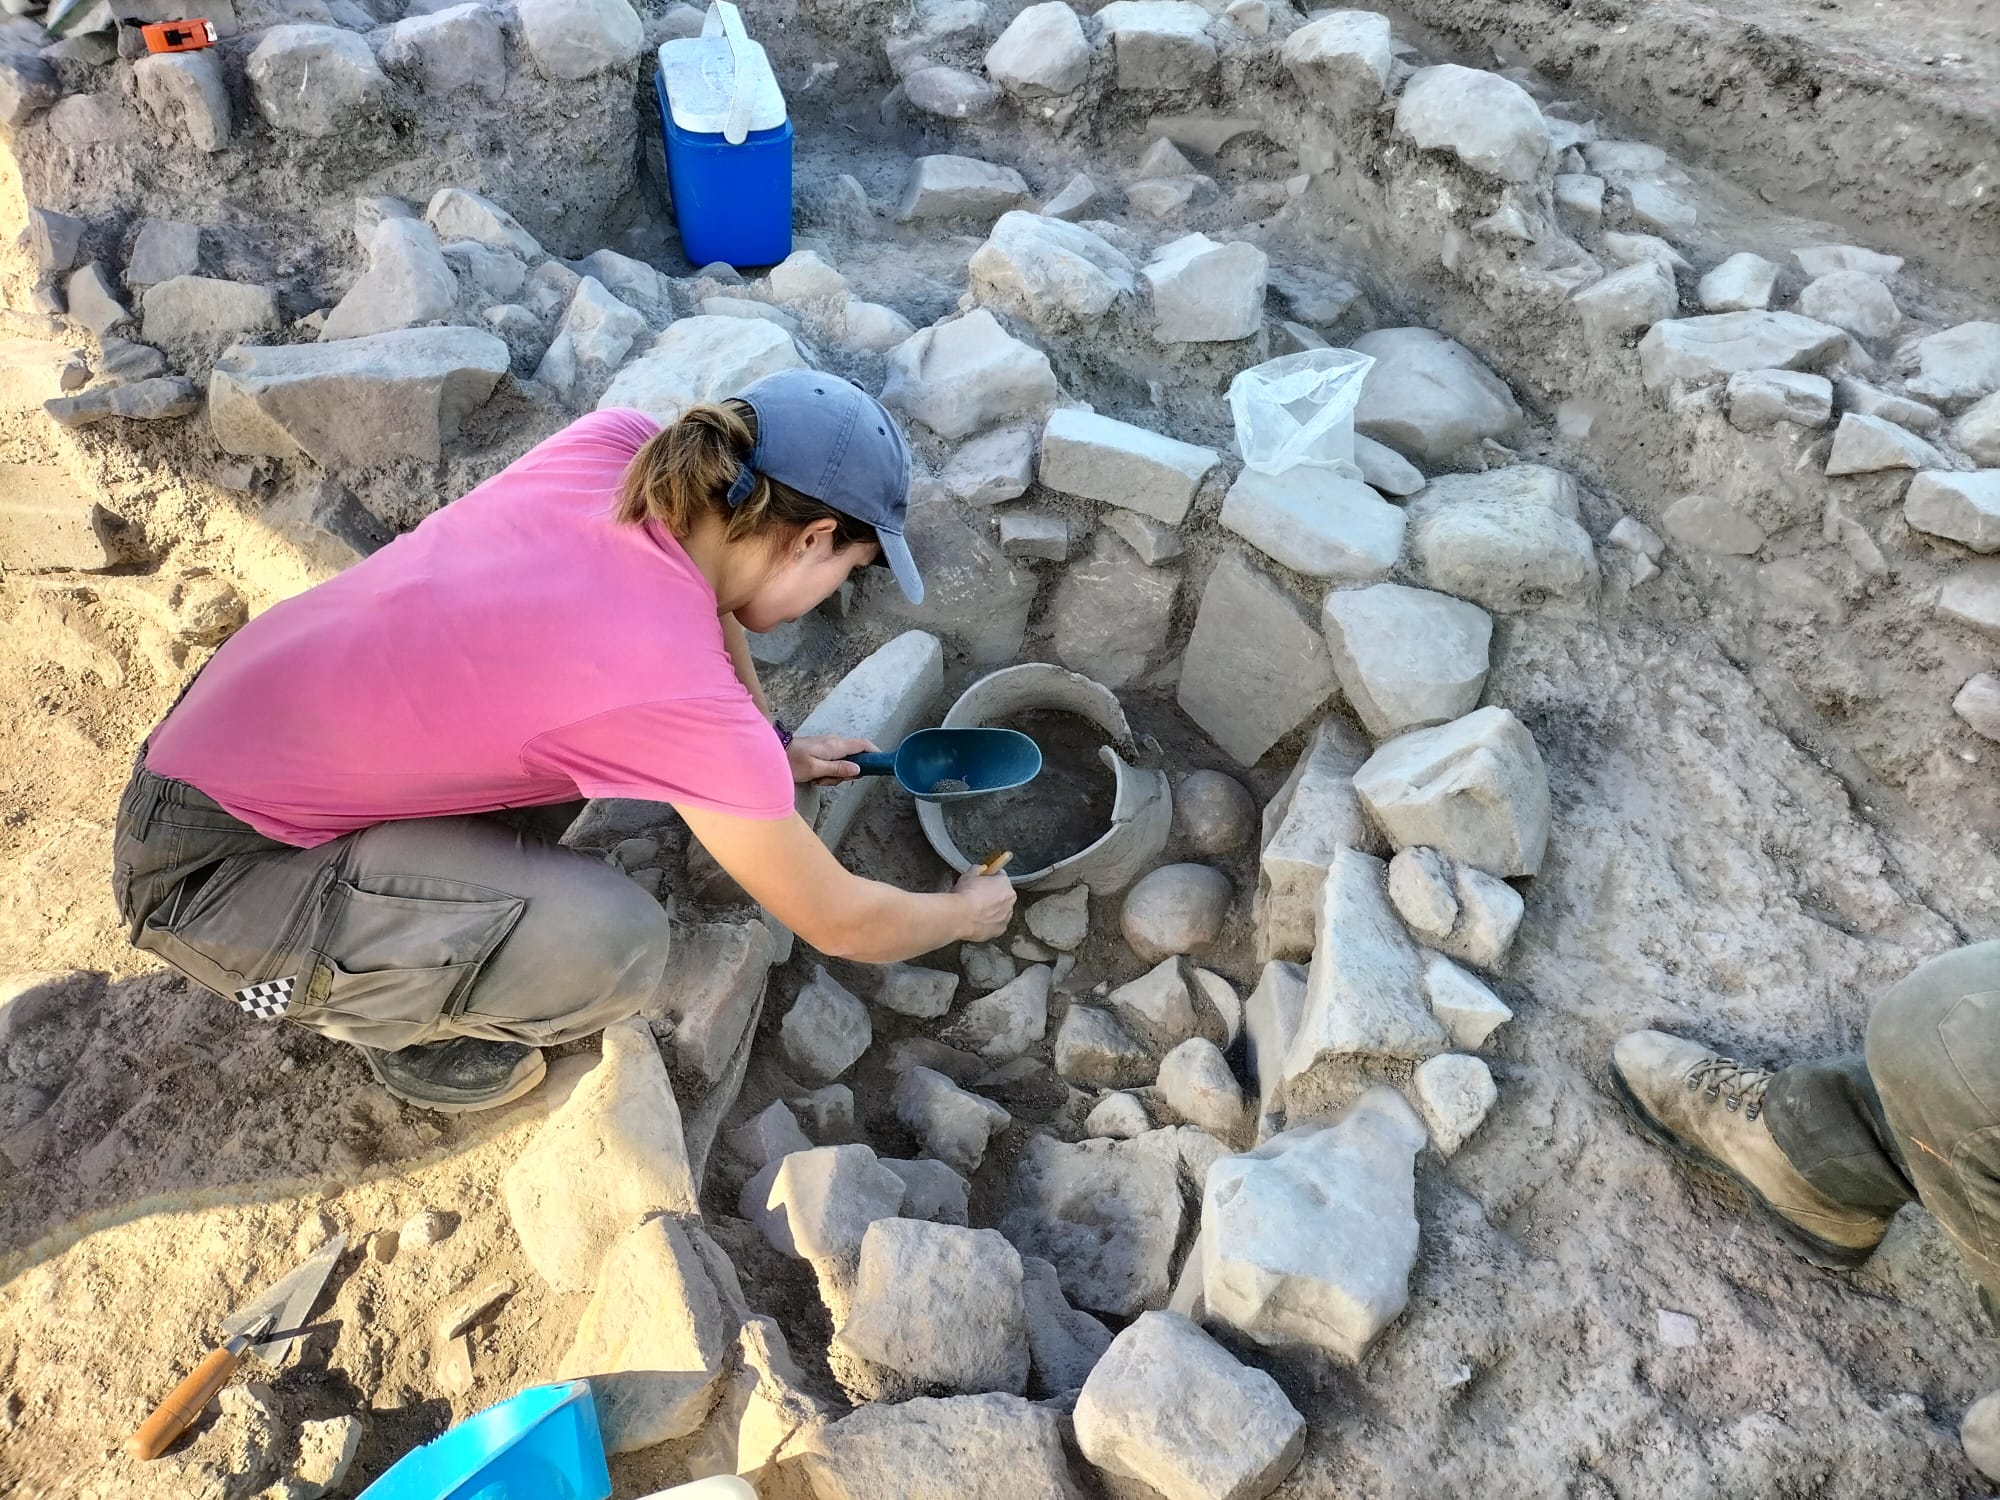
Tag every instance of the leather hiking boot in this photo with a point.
(458, 1074)
(1709, 1109)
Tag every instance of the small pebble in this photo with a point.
(427, 1226)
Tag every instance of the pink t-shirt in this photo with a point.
(519, 647)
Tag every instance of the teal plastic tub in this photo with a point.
(540, 1445)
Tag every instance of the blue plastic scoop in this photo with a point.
(944, 765)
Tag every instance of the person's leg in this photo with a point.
(1827, 1118)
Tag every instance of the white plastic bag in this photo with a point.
(1299, 410)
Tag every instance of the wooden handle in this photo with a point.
(172, 1416)
(996, 862)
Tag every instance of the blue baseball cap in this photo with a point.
(827, 438)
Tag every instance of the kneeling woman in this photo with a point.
(328, 827)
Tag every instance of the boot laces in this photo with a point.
(1736, 1086)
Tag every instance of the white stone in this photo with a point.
(1271, 1017)
(186, 93)
(1962, 507)
(871, 327)
(959, 187)
(1718, 345)
(162, 250)
(1173, 1409)
(1059, 277)
(883, 699)
(1196, 1084)
(1677, 1330)
(1420, 887)
(1977, 432)
(1157, 1006)
(949, 93)
(1042, 54)
(1077, 195)
(407, 282)
(1098, 458)
(1162, 159)
(1316, 521)
(966, 375)
(1254, 669)
(1628, 301)
(596, 334)
(1872, 401)
(928, 1449)
(1107, 1214)
(1341, 60)
(1006, 1023)
(1218, 996)
(1867, 445)
(1972, 597)
(1623, 158)
(1064, 1344)
(701, 358)
(1958, 365)
(1154, 541)
(575, 39)
(999, 466)
(1581, 196)
(1159, 44)
(826, 1030)
(818, 1204)
(1310, 1239)
(1636, 536)
(1630, 249)
(1822, 260)
(1094, 1050)
(986, 967)
(1742, 283)
(1710, 523)
(1406, 658)
(941, 1305)
(1657, 205)
(1761, 399)
(459, 215)
(452, 50)
(912, 991)
(1117, 1117)
(1215, 813)
(803, 278)
(932, 1191)
(326, 1449)
(1363, 987)
(497, 274)
(1507, 539)
(1062, 920)
(1428, 397)
(1205, 292)
(1488, 122)
(204, 311)
(954, 1126)
(760, 1406)
(1454, 1093)
(314, 80)
(1384, 468)
(768, 1136)
(1315, 814)
(1163, 198)
(1854, 301)
(610, 1155)
(1469, 1011)
(1978, 703)
(1175, 909)
(1474, 789)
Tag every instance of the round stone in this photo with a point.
(1214, 813)
(1118, 1117)
(1980, 1433)
(1176, 909)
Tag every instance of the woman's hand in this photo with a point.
(989, 905)
(820, 758)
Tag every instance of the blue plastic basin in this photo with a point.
(540, 1445)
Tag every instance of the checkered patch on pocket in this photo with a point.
(267, 1001)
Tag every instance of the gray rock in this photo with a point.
(986, 967)
(1384, 468)
(28, 85)
(1475, 789)
(999, 466)
(1427, 397)
(486, 272)
(458, 49)
(123, 362)
(1057, 276)
(56, 238)
(940, 1305)
(1854, 301)
(1271, 1017)
(769, 1136)
(1872, 401)
(1107, 1214)
(1867, 445)
(1162, 159)
(1098, 458)
(1117, 1117)
(1957, 366)
(918, 1450)
(1628, 301)
(911, 991)
(713, 991)
(1977, 432)
(1316, 521)
(1717, 346)
(92, 301)
(761, 1405)
(408, 282)
(1218, 998)
(1064, 1344)
(932, 1191)
(1742, 283)
(1580, 196)
(1963, 507)
(950, 93)
(1006, 1023)
(1310, 1239)
(1638, 538)
(817, 1204)
(1196, 1084)
(1154, 541)
(955, 1127)
(199, 310)
(596, 334)
(974, 593)
(1042, 54)
(1062, 920)
(187, 95)
(1823, 260)
(1658, 205)
(966, 375)
(959, 187)
(1315, 814)
(1204, 292)
(575, 39)
(314, 80)
(1164, 198)
(1175, 909)
(700, 359)
(1630, 249)
(326, 1452)
(1454, 1093)
(1489, 915)
(1761, 399)
(370, 210)
(1171, 1408)
(1972, 597)
(1420, 888)
(871, 327)
(1214, 813)
(1077, 195)
(1111, 613)
(1507, 539)
(1488, 122)
(1159, 44)
(1157, 1007)
(135, 401)
(827, 1111)
(826, 1030)
(162, 251)
(459, 215)
(1711, 523)
(632, 282)
(1341, 60)
(1466, 1008)
(1093, 1049)
(803, 279)
(1254, 669)
(1406, 658)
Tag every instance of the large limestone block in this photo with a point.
(1317, 522)
(817, 1205)
(186, 93)
(1957, 366)
(1628, 301)
(207, 312)
(940, 1305)
(655, 1337)
(715, 979)
(1111, 612)
(574, 39)
(1059, 277)
(702, 358)
(1474, 788)
(596, 334)
(356, 403)
(826, 1030)
(1203, 292)
(1042, 54)
(460, 215)
(1006, 1023)
(1196, 1084)
(1094, 1050)
(408, 282)
(1159, 44)
(1315, 814)
(885, 697)
(1364, 988)
(1852, 301)
(1106, 1214)
(1406, 658)
(609, 1157)
(1977, 432)
(1716, 346)
(1963, 507)
(1488, 122)
(1742, 283)
(959, 187)
(1868, 445)
(954, 1126)
(1310, 1239)
(975, 596)
(1341, 60)
(1427, 397)
(314, 80)
(966, 375)
(1099, 458)
(1507, 539)
(460, 49)
(992, 1447)
(1255, 668)
(1170, 1407)
(1158, 1006)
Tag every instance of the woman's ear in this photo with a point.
(816, 536)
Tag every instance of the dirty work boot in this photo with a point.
(1709, 1110)
(458, 1074)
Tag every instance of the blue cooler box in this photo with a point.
(729, 144)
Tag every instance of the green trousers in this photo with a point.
(1917, 1115)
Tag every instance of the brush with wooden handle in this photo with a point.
(995, 862)
(171, 1417)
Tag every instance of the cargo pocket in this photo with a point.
(387, 969)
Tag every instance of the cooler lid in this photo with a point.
(721, 83)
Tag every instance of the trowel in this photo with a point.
(269, 1326)
(949, 765)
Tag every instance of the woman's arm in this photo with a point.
(792, 875)
(737, 639)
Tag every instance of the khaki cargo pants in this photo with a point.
(404, 933)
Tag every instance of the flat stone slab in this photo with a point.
(1364, 987)
(702, 358)
(1428, 397)
(1962, 507)
(1716, 346)
(1255, 668)
(1489, 123)
(941, 1305)
(1406, 658)
(1508, 539)
(956, 187)
(1099, 458)
(966, 375)
(1342, 60)
(1317, 522)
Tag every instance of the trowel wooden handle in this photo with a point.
(994, 863)
(172, 1416)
